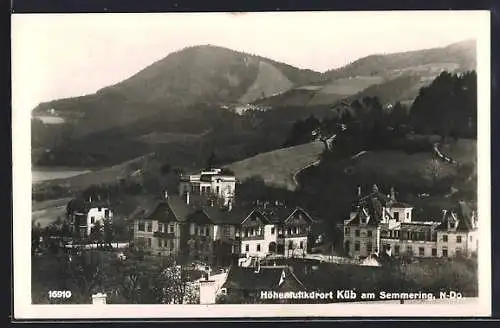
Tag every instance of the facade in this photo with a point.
(210, 182)
(83, 215)
(381, 224)
(275, 230)
(158, 228)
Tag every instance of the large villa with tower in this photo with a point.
(379, 224)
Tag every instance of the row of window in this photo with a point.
(290, 246)
(249, 232)
(162, 243)
(201, 231)
(357, 232)
(405, 235)
(398, 250)
(142, 226)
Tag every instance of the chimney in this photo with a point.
(208, 291)
(99, 299)
(393, 194)
(359, 191)
(444, 214)
(166, 194)
(187, 197)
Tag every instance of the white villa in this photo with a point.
(213, 181)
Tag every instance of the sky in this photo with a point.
(65, 55)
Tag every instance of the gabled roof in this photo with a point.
(268, 278)
(278, 214)
(173, 208)
(363, 214)
(216, 215)
(461, 213)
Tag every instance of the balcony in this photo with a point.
(256, 237)
(162, 234)
(292, 235)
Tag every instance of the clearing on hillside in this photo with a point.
(278, 168)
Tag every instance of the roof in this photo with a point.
(173, 208)
(462, 213)
(417, 226)
(363, 214)
(277, 214)
(268, 278)
(217, 215)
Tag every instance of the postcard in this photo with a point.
(244, 165)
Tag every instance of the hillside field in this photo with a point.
(277, 168)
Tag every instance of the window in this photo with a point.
(396, 216)
(369, 233)
(160, 227)
(195, 230)
(272, 231)
(408, 215)
(149, 242)
(171, 228)
(160, 243)
(458, 252)
(445, 238)
(409, 251)
(396, 250)
(470, 238)
(369, 247)
(356, 232)
(92, 219)
(150, 227)
(290, 244)
(434, 252)
(217, 189)
(445, 252)
(247, 248)
(207, 232)
(356, 246)
(141, 226)
(459, 239)
(301, 245)
(106, 213)
(347, 230)
(258, 247)
(421, 251)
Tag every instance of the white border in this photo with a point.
(23, 309)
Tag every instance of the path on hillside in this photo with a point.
(440, 155)
(297, 172)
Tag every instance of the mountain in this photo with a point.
(461, 55)
(391, 77)
(199, 74)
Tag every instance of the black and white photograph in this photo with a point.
(272, 164)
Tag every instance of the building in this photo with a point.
(247, 284)
(381, 224)
(275, 230)
(216, 182)
(83, 215)
(197, 228)
(158, 226)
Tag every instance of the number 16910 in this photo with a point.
(59, 293)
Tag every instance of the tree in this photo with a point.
(108, 232)
(96, 233)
